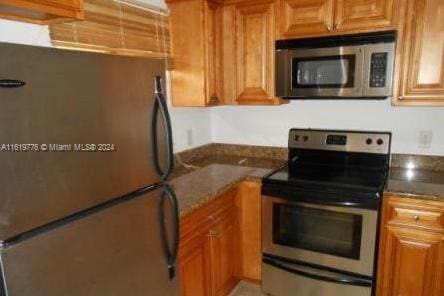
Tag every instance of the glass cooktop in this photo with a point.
(322, 177)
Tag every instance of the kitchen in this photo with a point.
(307, 138)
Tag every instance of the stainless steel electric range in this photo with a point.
(321, 214)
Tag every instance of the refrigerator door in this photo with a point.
(115, 251)
(72, 98)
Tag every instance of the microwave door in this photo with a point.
(325, 72)
(378, 65)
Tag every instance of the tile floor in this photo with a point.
(247, 289)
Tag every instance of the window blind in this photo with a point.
(122, 27)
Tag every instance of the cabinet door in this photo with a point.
(194, 267)
(421, 72)
(223, 246)
(254, 32)
(413, 263)
(355, 15)
(213, 47)
(299, 18)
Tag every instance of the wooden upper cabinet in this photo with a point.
(41, 11)
(222, 52)
(411, 252)
(195, 48)
(305, 17)
(353, 15)
(254, 37)
(420, 69)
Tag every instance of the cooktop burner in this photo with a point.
(335, 161)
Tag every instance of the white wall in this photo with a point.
(16, 32)
(270, 125)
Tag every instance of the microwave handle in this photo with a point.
(318, 274)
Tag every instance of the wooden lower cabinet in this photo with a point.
(223, 254)
(194, 268)
(250, 232)
(220, 243)
(411, 259)
(208, 256)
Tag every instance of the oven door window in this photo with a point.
(317, 230)
(324, 72)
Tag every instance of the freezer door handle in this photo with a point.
(160, 105)
(170, 250)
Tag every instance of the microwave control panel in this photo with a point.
(378, 69)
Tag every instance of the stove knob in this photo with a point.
(369, 141)
(380, 142)
(305, 138)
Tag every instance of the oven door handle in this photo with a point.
(318, 274)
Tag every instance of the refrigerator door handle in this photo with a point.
(171, 254)
(160, 104)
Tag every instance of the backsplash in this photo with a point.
(425, 162)
(236, 153)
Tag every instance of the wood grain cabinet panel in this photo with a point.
(254, 35)
(411, 251)
(305, 17)
(42, 11)
(208, 253)
(420, 78)
(364, 14)
(195, 30)
(194, 268)
(413, 264)
(223, 246)
(250, 214)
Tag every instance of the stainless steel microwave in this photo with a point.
(351, 66)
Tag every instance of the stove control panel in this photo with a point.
(349, 141)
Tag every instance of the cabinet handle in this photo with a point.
(337, 26)
(214, 233)
(328, 27)
(214, 99)
(416, 218)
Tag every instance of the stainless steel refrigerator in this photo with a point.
(85, 148)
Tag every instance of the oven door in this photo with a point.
(338, 237)
(320, 72)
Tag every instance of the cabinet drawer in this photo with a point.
(201, 220)
(416, 213)
(417, 218)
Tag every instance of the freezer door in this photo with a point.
(116, 251)
(72, 98)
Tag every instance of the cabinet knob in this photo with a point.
(337, 26)
(328, 27)
(416, 218)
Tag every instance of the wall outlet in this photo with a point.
(425, 139)
(190, 139)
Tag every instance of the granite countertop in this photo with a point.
(204, 184)
(202, 179)
(416, 183)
